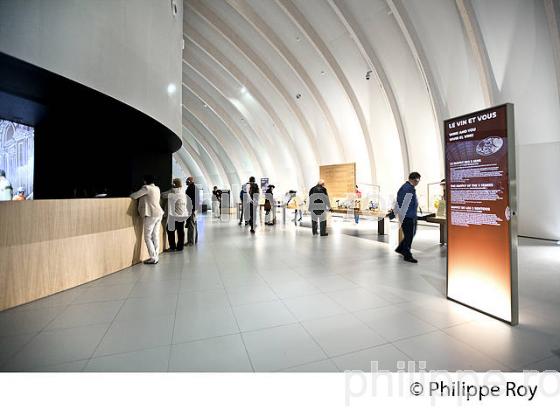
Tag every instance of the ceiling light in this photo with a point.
(243, 90)
(322, 72)
(171, 88)
(557, 242)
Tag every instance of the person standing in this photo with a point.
(242, 195)
(216, 202)
(149, 208)
(192, 233)
(176, 215)
(319, 203)
(269, 206)
(254, 195)
(357, 205)
(6, 189)
(407, 205)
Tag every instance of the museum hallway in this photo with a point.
(283, 300)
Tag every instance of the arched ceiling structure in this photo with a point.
(275, 88)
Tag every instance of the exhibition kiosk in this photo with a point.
(481, 212)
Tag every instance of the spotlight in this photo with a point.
(368, 75)
(557, 242)
(298, 96)
(171, 88)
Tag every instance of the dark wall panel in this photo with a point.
(85, 142)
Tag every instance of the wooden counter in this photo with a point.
(442, 222)
(47, 246)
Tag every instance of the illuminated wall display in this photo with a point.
(481, 204)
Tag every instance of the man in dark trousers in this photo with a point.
(254, 195)
(242, 198)
(319, 203)
(192, 234)
(407, 203)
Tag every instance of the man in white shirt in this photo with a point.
(149, 208)
(5, 187)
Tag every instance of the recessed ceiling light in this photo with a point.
(243, 90)
(322, 72)
(171, 88)
(298, 38)
(557, 242)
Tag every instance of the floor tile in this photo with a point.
(442, 352)
(149, 360)
(70, 367)
(357, 299)
(292, 289)
(123, 277)
(551, 363)
(203, 300)
(220, 354)
(63, 298)
(16, 322)
(332, 283)
(251, 294)
(86, 314)
(513, 346)
(282, 347)
(194, 325)
(242, 279)
(262, 315)
(10, 345)
(313, 307)
(394, 322)
(323, 366)
(376, 359)
(104, 293)
(155, 288)
(200, 282)
(141, 308)
(136, 335)
(57, 347)
(342, 334)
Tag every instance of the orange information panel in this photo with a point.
(481, 221)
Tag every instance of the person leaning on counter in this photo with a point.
(149, 208)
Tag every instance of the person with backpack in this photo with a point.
(177, 214)
(242, 194)
(269, 207)
(192, 231)
(254, 196)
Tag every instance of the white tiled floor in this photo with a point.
(283, 300)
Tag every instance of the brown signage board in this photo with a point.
(481, 217)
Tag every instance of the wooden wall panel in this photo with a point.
(53, 245)
(340, 179)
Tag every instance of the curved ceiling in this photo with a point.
(275, 88)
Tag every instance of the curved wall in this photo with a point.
(129, 50)
(313, 82)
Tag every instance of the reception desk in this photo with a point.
(47, 246)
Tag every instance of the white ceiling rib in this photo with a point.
(297, 17)
(198, 136)
(230, 35)
(229, 66)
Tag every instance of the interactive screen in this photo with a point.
(16, 160)
(481, 246)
